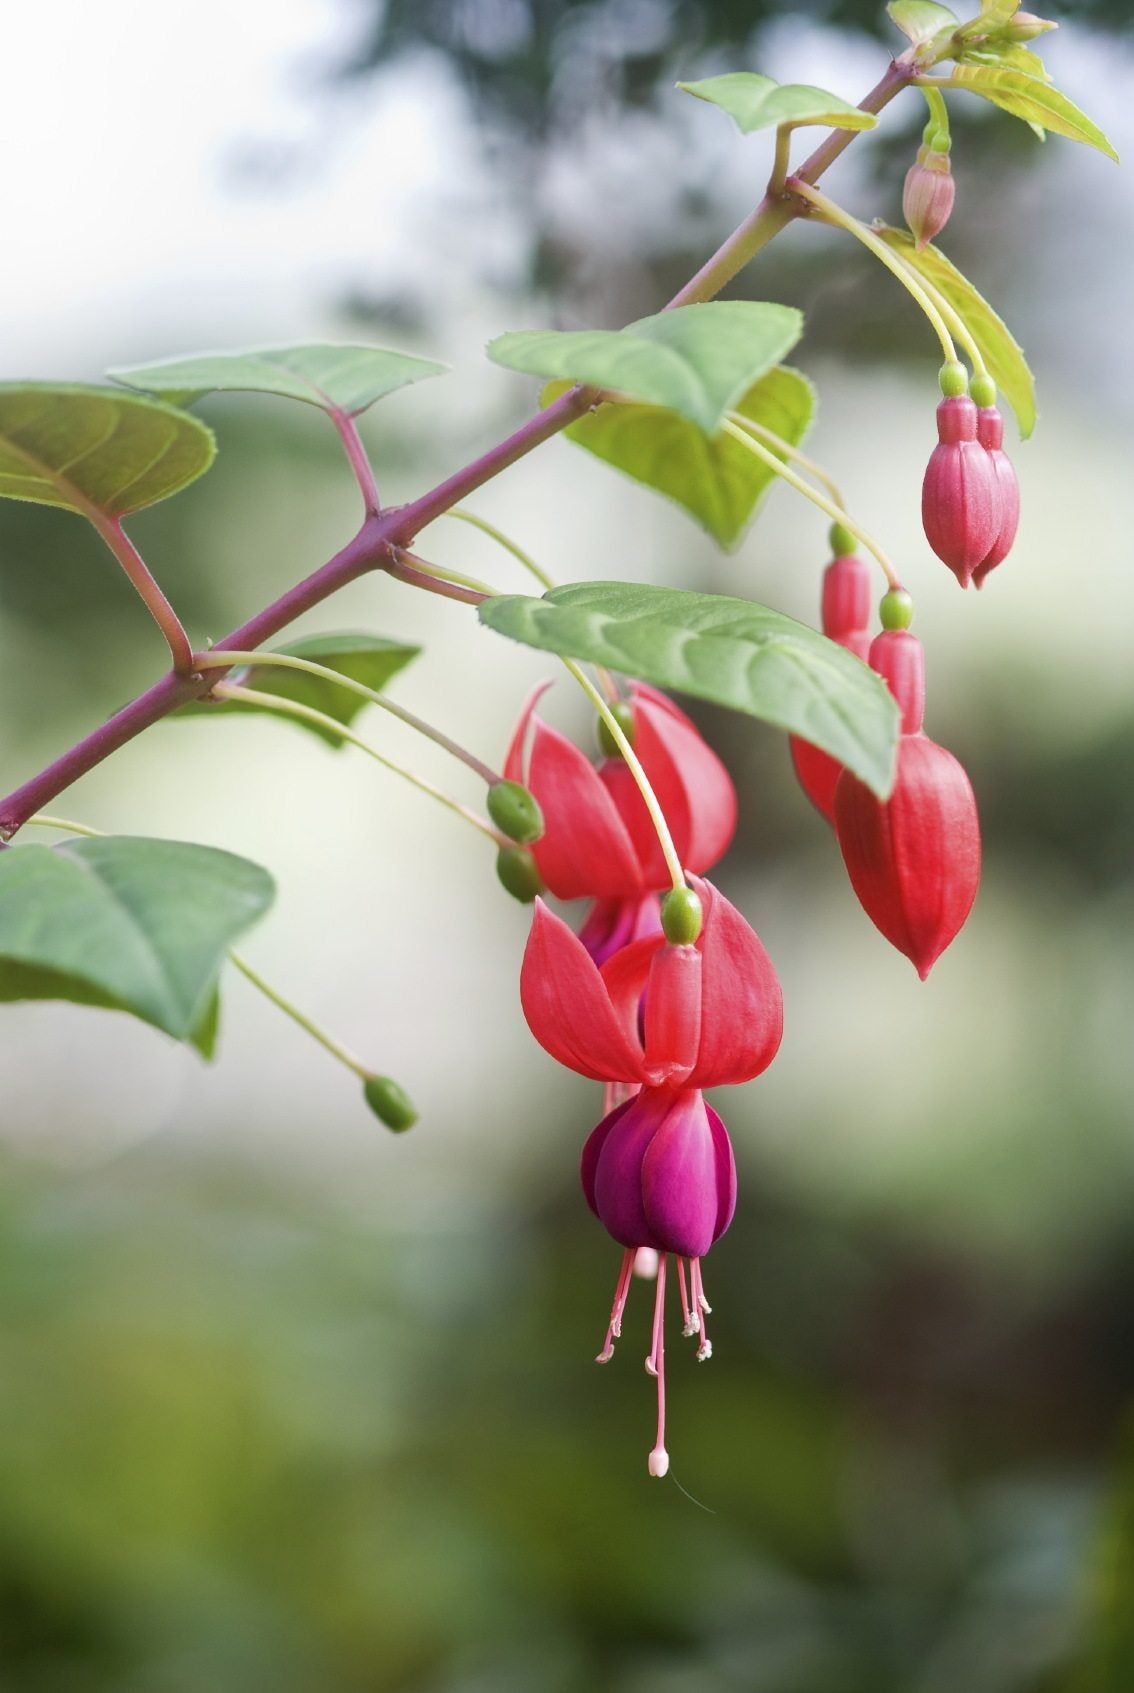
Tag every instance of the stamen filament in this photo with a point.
(621, 1290)
(690, 1319)
(658, 1462)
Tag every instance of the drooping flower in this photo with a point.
(990, 434)
(928, 195)
(914, 859)
(669, 1020)
(845, 617)
(960, 497)
(598, 840)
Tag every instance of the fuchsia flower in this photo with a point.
(914, 859)
(960, 497)
(598, 840)
(990, 434)
(845, 619)
(669, 1020)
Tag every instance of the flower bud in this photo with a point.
(519, 873)
(896, 609)
(842, 542)
(845, 619)
(960, 497)
(990, 434)
(1025, 26)
(846, 597)
(623, 713)
(390, 1102)
(515, 811)
(899, 659)
(927, 198)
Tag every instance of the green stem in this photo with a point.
(938, 111)
(657, 815)
(44, 820)
(217, 660)
(327, 1041)
(950, 313)
(769, 436)
(782, 161)
(833, 214)
(308, 714)
(833, 511)
(502, 540)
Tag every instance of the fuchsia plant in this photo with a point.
(665, 990)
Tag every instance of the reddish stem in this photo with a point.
(159, 608)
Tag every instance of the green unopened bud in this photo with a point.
(1025, 26)
(681, 916)
(896, 609)
(954, 379)
(623, 714)
(390, 1102)
(519, 873)
(515, 811)
(983, 390)
(843, 543)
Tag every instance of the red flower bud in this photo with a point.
(927, 198)
(990, 434)
(960, 499)
(846, 619)
(914, 859)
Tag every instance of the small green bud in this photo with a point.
(938, 140)
(983, 391)
(623, 714)
(519, 873)
(896, 610)
(515, 811)
(681, 916)
(954, 379)
(390, 1102)
(843, 543)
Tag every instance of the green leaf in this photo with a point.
(697, 361)
(345, 379)
(994, 13)
(921, 20)
(731, 651)
(206, 1030)
(126, 923)
(1034, 101)
(1003, 354)
(757, 102)
(370, 659)
(1014, 57)
(714, 478)
(96, 451)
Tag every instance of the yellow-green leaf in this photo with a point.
(757, 102)
(1034, 101)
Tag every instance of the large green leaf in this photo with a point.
(757, 102)
(1036, 102)
(127, 923)
(336, 378)
(370, 659)
(697, 361)
(1003, 354)
(713, 477)
(922, 20)
(733, 652)
(96, 451)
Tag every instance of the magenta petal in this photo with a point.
(726, 1173)
(612, 924)
(616, 1183)
(679, 1180)
(588, 1164)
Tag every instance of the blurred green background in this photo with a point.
(288, 1404)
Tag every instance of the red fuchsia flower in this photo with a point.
(914, 859)
(960, 497)
(845, 619)
(598, 840)
(658, 1171)
(928, 195)
(990, 434)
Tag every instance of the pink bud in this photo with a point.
(927, 199)
(846, 597)
(899, 658)
(960, 497)
(990, 434)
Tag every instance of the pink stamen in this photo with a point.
(658, 1461)
(621, 1290)
(690, 1320)
(703, 1308)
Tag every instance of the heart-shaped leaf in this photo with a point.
(344, 379)
(731, 651)
(921, 20)
(127, 923)
(757, 102)
(1034, 101)
(370, 659)
(96, 451)
(713, 477)
(697, 361)
(1002, 353)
